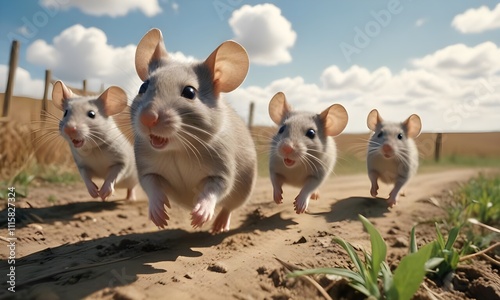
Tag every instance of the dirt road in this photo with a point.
(73, 247)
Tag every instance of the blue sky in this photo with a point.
(439, 59)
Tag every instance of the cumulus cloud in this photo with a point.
(112, 8)
(477, 20)
(24, 85)
(80, 53)
(463, 61)
(274, 32)
(420, 22)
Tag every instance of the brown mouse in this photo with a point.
(392, 153)
(191, 147)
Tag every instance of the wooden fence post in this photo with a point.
(14, 55)
(437, 148)
(250, 115)
(84, 89)
(48, 78)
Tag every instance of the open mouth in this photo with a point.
(158, 142)
(77, 143)
(288, 162)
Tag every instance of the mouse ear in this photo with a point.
(413, 126)
(114, 100)
(334, 119)
(60, 93)
(373, 119)
(229, 65)
(279, 108)
(150, 49)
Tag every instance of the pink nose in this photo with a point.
(387, 149)
(69, 130)
(286, 149)
(149, 118)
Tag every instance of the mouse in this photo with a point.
(99, 148)
(303, 151)
(392, 154)
(191, 147)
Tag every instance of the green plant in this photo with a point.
(365, 278)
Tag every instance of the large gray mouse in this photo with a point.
(99, 148)
(303, 152)
(392, 153)
(191, 147)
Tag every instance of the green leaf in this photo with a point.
(440, 238)
(409, 274)
(379, 248)
(332, 271)
(387, 277)
(433, 262)
(353, 255)
(452, 237)
(413, 241)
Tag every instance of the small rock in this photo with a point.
(122, 216)
(84, 235)
(400, 242)
(218, 268)
(188, 276)
(302, 240)
(261, 270)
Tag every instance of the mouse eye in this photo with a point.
(282, 128)
(188, 92)
(311, 133)
(91, 114)
(65, 113)
(400, 136)
(380, 134)
(144, 87)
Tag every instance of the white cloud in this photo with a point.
(274, 32)
(477, 20)
(112, 8)
(463, 61)
(24, 85)
(420, 22)
(80, 53)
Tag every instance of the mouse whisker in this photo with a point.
(187, 145)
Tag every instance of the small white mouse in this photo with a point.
(303, 152)
(392, 154)
(191, 147)
(99, 148)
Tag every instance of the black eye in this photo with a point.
(144, 87)
(282, 128)
(65, 113)
(380, 134)
(311, 133)
(400, 136)
(91, 114)
(188, 92)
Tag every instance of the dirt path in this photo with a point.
(75, 248)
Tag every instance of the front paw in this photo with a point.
(391, 202)
(106, 190)
(300, 204)
(278, 196)
(158, 213)
(374, 191)
(202, 212)
(93, 190)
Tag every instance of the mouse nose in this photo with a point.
(286, 149)
(387, 150)
(69, 129)
(149, 118)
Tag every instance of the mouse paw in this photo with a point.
(93, 190)
(300, 205)
(374, 191)
(391, 202)
(315, 195)
(278, 196)
(131, 194)
(158, 212)
(202, 212)
(106, 191)
(221, 223)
